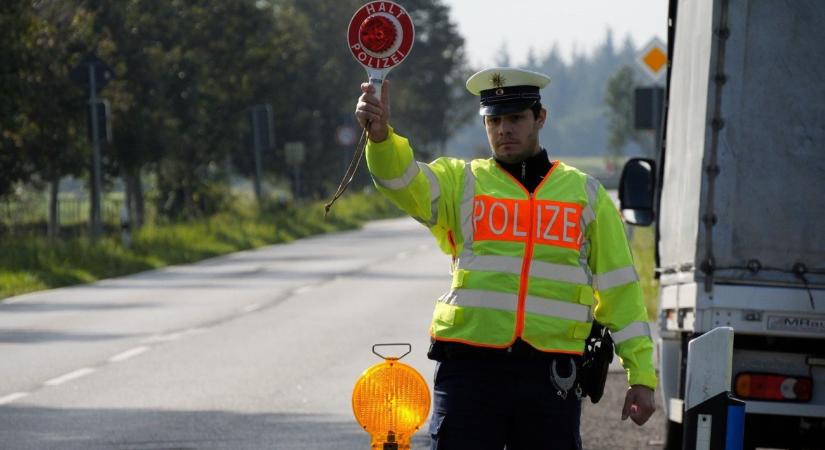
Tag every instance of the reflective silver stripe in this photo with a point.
(506, 264)
(508, 302)
(557, 308)
(587, 216)
(467, 208)
(585, 247)
(592, 188)
(558, 272)
(401, 182)
(435, 192)
(481, 299)
(513, 265)
(633, 330)
(615, 278)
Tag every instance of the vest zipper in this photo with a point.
(528, 249)
(523, 170)
(525, 268)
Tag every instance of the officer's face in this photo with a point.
(514, 137)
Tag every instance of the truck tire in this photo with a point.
(673, 436)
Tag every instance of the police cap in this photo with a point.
(505, 90)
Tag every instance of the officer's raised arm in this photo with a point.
(370, 110)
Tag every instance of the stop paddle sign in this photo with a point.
(380, 36)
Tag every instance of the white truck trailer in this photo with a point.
(738, 197)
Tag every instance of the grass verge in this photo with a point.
(34, 263)
(642, 244)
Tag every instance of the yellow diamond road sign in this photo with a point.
(653, 59)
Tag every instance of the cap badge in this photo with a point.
(498, 81)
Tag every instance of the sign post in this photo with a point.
(94, 74)
(263, 138)
(295, 154)
(649, 100)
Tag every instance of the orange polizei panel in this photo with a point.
(502, 219)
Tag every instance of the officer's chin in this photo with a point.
(511, 157)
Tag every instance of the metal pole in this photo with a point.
(256, 144)
(96, 178)
(657, 120)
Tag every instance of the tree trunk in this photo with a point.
(138, 200)
(54, 208)
(134, 198)
(128, 213)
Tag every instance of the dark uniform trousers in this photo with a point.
(503, 402)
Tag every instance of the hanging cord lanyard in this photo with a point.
(351, 170)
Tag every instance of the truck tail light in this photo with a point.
(786, 388)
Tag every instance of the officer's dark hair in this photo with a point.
(536, 108)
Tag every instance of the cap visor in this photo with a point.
(505, 108)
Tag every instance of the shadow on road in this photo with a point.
(25, 427)
(36, 336)
(28, 307)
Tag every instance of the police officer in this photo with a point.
(539, 253)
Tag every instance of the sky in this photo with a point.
(574, 24)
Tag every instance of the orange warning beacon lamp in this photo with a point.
(391, 401)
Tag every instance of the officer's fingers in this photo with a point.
(628, 404)
(368, 111)
(643, 408)
(367, 88)
(641, 414)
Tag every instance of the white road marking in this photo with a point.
(251, 308)
(303, 289)
(403, 255)
(162, 338)
(12, 397)
(69, 376)
(172, 336)
(131, 353)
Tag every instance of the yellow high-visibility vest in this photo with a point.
(537, 266)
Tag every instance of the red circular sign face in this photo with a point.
(380, 35)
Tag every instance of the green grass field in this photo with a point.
(33, 263)
(642, 244)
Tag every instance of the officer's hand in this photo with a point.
(639, 404)
(370, 110)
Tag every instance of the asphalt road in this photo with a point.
(254, 350)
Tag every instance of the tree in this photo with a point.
(17, 19)
(619, 99)
(43, 134)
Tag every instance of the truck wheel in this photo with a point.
(673, 436)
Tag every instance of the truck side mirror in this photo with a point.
(636, 191)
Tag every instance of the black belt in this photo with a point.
(519, 351)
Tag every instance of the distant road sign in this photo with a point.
(653, 59)
(102, 72)
(295, 153)
(346, 135)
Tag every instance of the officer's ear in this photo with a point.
(541, 117)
